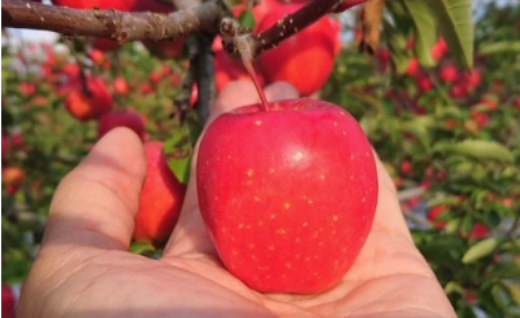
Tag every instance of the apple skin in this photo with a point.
(161, 198)
(306, 59)
(85, 107)
(124, 118)
(288, 195)
(448, 73)
(8, 301)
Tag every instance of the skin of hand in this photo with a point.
(84, 269)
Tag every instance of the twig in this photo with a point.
(205, 75)
(115, 25)
(405, 195)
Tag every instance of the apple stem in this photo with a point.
(252, 73)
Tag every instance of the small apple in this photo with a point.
(288, 194)
(120, 86)
(434, 214)
(12, 179)
(306, 59)
(8, 301)
(516, 103)
(479, 231)
(423, 82)
(406, 167)
(413, 67)
(161, 198)
(123, 118)
(448, 73)
(439, 49)
(89, 106)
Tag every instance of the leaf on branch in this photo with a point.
(480, 250)
(425, 30)
(479, 149)
(371, 17)
(455, 23)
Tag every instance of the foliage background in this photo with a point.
(458, 156)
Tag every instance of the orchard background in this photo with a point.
(447, 129)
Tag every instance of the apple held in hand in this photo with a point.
(123, 118)
(161, 198)
(288, 195)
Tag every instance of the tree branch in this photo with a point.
(115, 25)
(292, 24)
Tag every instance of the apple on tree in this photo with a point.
(306, 59)
(161, 198)
(287, 193)
(89, 105)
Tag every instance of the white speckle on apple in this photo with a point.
(333, 232)
(253, 257)
(315, 235)
(335, 218)
(297, 240)
(322, 177)
(272, 216)
(351, 177)
(288, 265)
(251, 245)
(235, 252)
(310, 202)
(363, 199)
(258, 122)
(307, 259)
(250, 172)
(271, 170)
(241, 225)
(260, 223)
(305, 224)
(335, 123)
(281, 231)
(344, 133)
(320, 243)
(287, 206)
(298, 155)
(257, 199)
(271, 247)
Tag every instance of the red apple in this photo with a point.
(413, 67)
(423, 82)
(406, 167)
(124, 118)
(85, 107)
(12, 178)
(288, 195)
(448, 73)
(516, 103)
(8, 302)
(161, 198)
(439, 49)
(306, 59)
(479, 231)
(120, 86)
(434, 214)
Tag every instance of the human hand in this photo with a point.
(84, 268)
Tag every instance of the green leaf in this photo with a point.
(454, 18)
(397, 47)
(514, 292)
(178, 151)
(480, 250)
(141, 248)
(425, 30)
(479, 149)
(453, 287)
(500, 48)
(247, 20)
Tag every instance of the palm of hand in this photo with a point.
(84, 270)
